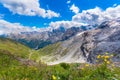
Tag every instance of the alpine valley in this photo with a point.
(72, 45)
(59, 39)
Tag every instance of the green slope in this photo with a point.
(48, 50)
(17, 49)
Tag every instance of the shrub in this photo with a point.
(65, 65)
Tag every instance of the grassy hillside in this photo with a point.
(17, 49)
(48, 50)
(14, 47)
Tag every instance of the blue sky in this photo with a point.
(21, 12)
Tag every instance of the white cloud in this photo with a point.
(8, 27)
(68, 2)
(28, 8)
(97, 15)
(89, 17)
(65, 24)
(114, 5)
(74, 9)
(16, 28)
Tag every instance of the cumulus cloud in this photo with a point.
(86, 17)
(97, 15)
(89, 17)
(65, 24)
(16, 28)
(28, 8)
(8, 27)
(74, 9)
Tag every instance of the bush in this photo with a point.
(65, 65)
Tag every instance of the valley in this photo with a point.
(74, 58)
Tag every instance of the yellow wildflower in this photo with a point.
(96, 60)
(25, 79)
(54, 77)
(106, 57)
(105, 60)
(86, 65)
(98, 56)
(102, 56)
(82, 68)
(108, 62)
(106, 53)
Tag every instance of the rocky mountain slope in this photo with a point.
(86, 45)
(38, 40)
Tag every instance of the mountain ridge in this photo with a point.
(37, 40)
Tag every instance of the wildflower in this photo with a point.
(96, 60)
(26, 79)
(102, 56)
(106, 57)
(111, 55)
(54, 77)
(86, 65)
(98, 56)
(82, 68)
(113, 65)
(108, 62)
(105, 60)
(106, 53)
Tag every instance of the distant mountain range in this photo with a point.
(76, 44)
(37, 40)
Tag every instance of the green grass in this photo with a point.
(17, 49)
(13, 69)
(48, 50)
(14, 47)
